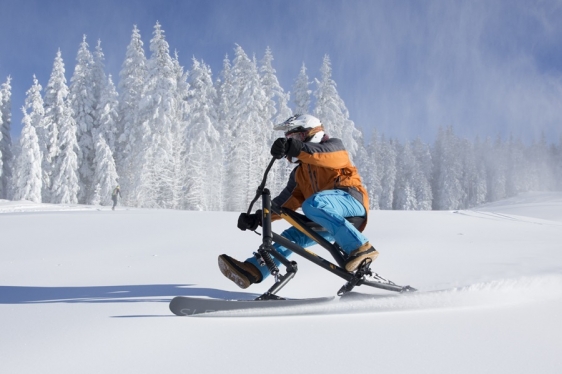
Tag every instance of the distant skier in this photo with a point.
(114, 195)
(327, 187)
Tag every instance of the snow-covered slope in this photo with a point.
(545, 205)
(86, 290)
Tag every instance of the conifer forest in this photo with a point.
(185, 138)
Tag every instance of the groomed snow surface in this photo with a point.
(85, 289)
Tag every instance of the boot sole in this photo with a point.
(233, 274)
(354, 264)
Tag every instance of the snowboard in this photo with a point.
(189, 306)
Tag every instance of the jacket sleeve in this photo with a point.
(330, 154)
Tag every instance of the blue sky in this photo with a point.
(402, 67)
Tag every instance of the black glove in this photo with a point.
(249, 221)
(294, 148)
(279, 148)
(283, 146)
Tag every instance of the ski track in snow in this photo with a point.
(499, 293)
(505, 217)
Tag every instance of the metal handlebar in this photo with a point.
(262, 185)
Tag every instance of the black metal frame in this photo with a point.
(267, 252)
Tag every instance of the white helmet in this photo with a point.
(302, 123)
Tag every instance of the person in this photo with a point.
(116, 192)
(325, 185)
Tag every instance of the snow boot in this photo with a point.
(242, 273)
(365, 252)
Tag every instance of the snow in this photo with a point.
(84, 289)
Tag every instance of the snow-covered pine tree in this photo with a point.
(277, 107)
(277, 112)
(34, 103)
(105, 132)
(108, 115)
(332, 112)
(204, 149)
(371, 171)
(424, 195)
(225, 93)
(447, 177)
(56, 109)
(106, 100)
(99, 78)
(158, 112)
(176, 166)
(6, 156)
(386, 154)
(224, 90)
(262, 128)
(469, 176)
(404, 194)
(105, 173)
(251, 132)
(518, 168)
(83, 104)
(302, 94)
(406, 174)
(96, 195)
(480, 189)
(65, 183)
(27, 179)
(131, 146)
(362, 158)
(496, 169)
(183, 92)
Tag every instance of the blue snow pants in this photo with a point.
(329, 209)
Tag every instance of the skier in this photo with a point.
(324, 184)
(116, 192)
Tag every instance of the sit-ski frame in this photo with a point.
(267, 252)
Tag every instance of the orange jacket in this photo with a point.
(322, 166)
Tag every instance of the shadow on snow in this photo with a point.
(111, 294)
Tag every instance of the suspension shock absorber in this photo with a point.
(273, 269)
(265, 259)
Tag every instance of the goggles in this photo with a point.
(297, 135)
